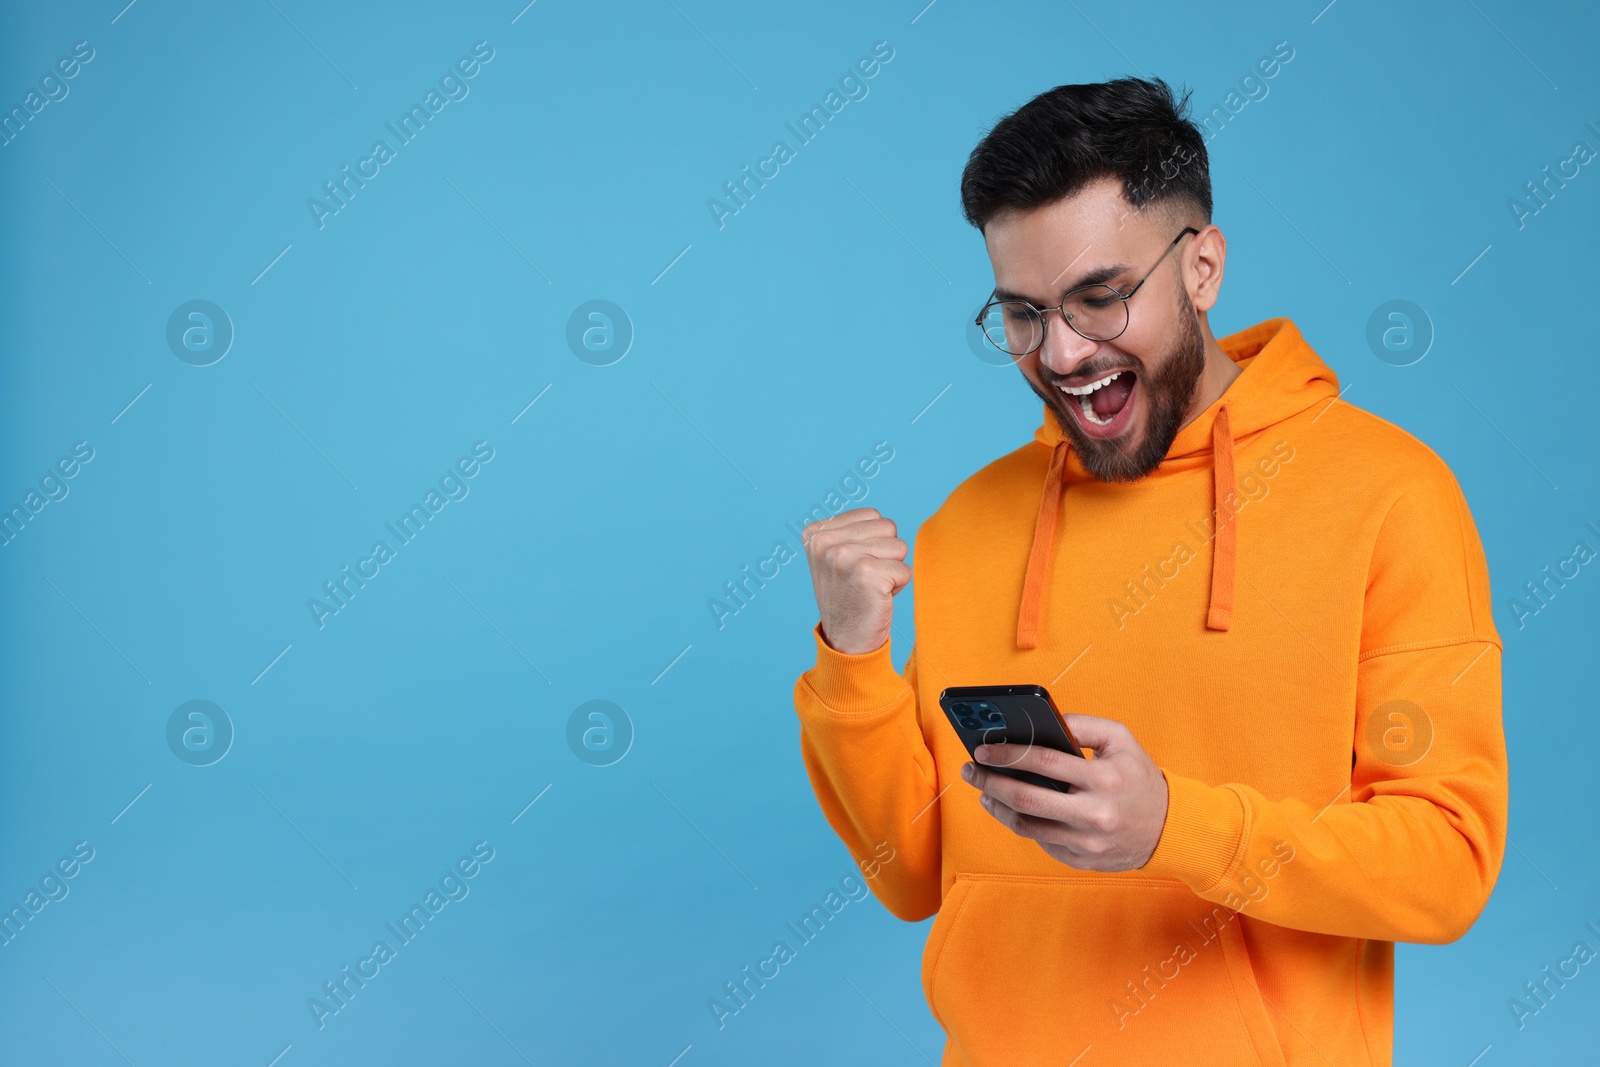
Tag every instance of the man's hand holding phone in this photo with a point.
(1112, 819)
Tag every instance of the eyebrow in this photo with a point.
(1096, 276)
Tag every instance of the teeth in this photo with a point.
(1085, 390)
(1088, 412)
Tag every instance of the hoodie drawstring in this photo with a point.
(1225, 542)
(1225, 549)
(1044, 539)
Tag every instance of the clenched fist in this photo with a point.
(857, 567)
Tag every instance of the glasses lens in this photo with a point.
(1098, 312)
(1012, 326)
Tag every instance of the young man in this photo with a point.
(1264, 611)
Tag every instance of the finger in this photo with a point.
(1040, 759)
(848, 552)
(1044, 831)
(886, 576)
(842, 550)
(1029, 799)
(1105, 736)
(843, 533)
(843, 519)
(1091, 850)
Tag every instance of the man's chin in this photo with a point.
(1108, 459)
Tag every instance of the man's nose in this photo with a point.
(1064, 348)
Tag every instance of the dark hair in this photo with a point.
(1058, 142)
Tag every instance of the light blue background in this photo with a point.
(428, 313)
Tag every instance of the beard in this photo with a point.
(1167, 394)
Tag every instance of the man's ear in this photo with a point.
(1203, 277)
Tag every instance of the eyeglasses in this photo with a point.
(1096, 312)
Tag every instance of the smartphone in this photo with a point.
(1010, 714)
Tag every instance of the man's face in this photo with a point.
(1039, 255)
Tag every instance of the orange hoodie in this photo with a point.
(1291, 615)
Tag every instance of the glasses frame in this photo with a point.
(1043, 313)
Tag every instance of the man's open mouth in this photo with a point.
(1101, 402)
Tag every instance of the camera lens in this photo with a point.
(961, 709)
(970, 723)
(993, 715)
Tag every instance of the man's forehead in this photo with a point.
(1091, 237)
(1044, 269)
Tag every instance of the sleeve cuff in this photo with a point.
(1200, 842)
(853, 683)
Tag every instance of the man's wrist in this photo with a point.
(1199, 842)
(854, 682)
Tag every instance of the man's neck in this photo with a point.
(1219, 373)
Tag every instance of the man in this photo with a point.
(1264, 611)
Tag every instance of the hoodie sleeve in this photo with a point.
(862, 742)
(1411, 849)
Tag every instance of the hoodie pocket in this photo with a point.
(1021, 970)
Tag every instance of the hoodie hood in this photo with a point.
(1281, 376)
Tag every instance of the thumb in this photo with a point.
(901, 579)
(1105, 736)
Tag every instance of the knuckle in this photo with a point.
(1027, 802)
(842, 555)
(868, 567)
